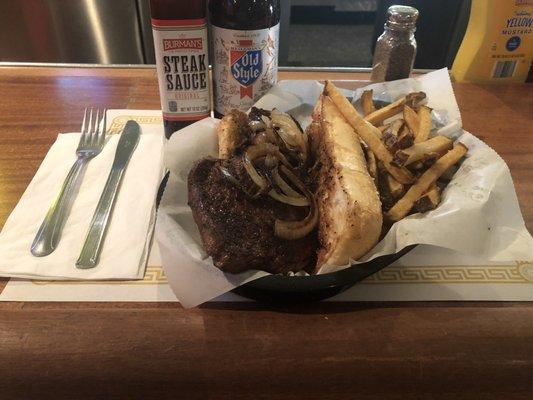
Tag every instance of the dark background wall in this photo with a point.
(319, 33)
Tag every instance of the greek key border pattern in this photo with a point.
(520, 272)
(154, 275)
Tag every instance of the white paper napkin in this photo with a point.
(129, 234)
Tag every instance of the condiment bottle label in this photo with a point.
(245, 66)
(182, 68)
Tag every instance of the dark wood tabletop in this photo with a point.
(439, 350)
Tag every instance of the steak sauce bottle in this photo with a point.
(245, 43)
(181, 51)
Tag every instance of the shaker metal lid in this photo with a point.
(402, 16)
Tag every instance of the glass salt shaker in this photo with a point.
(396, 48)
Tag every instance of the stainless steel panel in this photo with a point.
(80, 31)
(143, 6)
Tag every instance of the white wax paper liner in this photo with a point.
(479, 214)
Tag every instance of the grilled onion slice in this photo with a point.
(284, 186)
(290, 133)
(274, 159)
(256, 151)
(292, 230)
(293, 201)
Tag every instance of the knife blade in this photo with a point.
(92, 247)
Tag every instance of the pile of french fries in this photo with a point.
(410, 168)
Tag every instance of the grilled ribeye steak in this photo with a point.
(237, 230)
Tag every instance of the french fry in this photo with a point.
(383, 128)
(368, 102)
(405, 138)
(406, 203)
(411, 119)
(424, 164)
(424, 115)
(423, 150)
(432, 187)
(338, 99)
(431, 159)
(414, 100)
(448, 175)
(368, 133)
(417, 166)
(387, 200)
(391, 139)
(378, 116)
(396, 189)
(372, 164)
(397, 125)
(429, 200)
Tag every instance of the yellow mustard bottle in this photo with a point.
(498, 43)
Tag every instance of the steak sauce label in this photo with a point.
(182, 68)
(245, 66)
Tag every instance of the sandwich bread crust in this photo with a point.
(348, 201)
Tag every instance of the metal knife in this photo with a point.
(94, 241)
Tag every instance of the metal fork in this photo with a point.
(90, 145)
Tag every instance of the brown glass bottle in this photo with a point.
(245, 43)
(181, 51)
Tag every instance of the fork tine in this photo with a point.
(88, 138)
(97, 120)
(84, 122)
(101, 138)
(84, 127)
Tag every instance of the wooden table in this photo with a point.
(318, 351)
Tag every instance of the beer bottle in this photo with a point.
(245, 40)
(181, 51)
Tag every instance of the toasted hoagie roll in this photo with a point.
(232, 132)
(348, 201)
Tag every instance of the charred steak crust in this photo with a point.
(237, 231)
